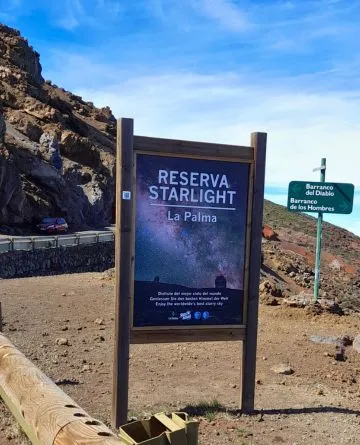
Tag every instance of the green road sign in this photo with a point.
(320, 197)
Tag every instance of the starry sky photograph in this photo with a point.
(190, 253)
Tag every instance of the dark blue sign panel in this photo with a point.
(190, 241)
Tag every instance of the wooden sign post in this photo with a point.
(188, 248)
(123, 266)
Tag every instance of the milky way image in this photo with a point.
(186, 252)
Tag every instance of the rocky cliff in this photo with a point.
(57, 152)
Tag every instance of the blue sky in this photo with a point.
(216, 70)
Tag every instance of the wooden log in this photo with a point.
(46, 414)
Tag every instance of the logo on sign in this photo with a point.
(185, 315)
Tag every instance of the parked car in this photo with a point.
(53, 225)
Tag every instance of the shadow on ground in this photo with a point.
(214, 407)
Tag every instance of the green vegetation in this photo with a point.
(205, 409)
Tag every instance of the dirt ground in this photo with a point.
(318, 404)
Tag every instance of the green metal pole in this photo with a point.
(318, 238)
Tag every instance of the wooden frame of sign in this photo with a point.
(130, 148)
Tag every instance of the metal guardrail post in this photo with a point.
(97, 238)
(56, 241)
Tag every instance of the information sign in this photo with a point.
(320, 197)
(189, 241)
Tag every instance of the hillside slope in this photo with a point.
(290, 259)
(56, 151)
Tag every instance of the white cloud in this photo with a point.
(190, 14)
(302, 126)
(71, 14)
(74, 13)
(224, 12)
(68, 22)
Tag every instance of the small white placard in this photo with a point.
(126, 195)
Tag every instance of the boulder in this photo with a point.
(79, 149)
(25, 124)
(283, 369)
(269, 234)
(356, 344)
(340, 352)
(268, 288)
(335, 265)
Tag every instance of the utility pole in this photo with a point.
(319, 236)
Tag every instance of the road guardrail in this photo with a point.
(11, 244)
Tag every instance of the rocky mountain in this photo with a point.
(57, 152)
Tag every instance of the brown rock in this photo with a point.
(62, 341)
(86, 368)
(282, 369)
(25, 124)
(356, 344)
(347, 340)
(269, 234)
(340, 353)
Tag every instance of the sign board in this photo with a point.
(190, 239)
(324, 197)
(188, 248)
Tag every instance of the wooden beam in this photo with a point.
(191, 148)
(258, 141)
(46, 414)
(190, 335)
(123, 267)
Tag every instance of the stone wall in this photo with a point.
(83, 258)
